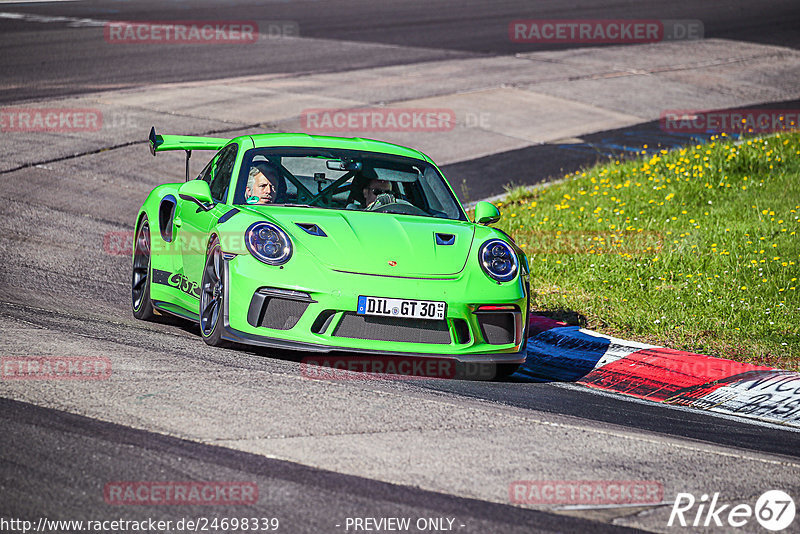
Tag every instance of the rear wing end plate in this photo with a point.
(161, 143)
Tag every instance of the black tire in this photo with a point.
(212, 297)
(141, 304)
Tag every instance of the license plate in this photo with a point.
(411, 309)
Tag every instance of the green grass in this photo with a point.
(694, 249)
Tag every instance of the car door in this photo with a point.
(196, 221)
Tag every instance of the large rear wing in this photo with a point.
(160, 143)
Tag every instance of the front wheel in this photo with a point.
(140, 276)
(212, 297)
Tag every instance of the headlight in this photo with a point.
(498, 260)
(268, 243)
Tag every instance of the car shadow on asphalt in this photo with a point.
(345, 365)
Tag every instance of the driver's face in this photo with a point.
(263, 188)
(381, 186)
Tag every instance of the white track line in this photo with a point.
(45, 19)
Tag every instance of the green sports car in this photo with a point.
(324, 243)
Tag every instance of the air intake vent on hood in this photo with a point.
(445, 239)
(312, 229)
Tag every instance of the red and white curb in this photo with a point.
(560, 352)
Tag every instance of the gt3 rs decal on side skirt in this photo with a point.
(178, 281)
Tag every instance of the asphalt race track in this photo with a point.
(58, 59)
(319, 451)
(105, 451)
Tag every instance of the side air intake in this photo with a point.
(312, 229)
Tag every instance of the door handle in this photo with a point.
(177, 222)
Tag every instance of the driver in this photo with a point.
(262, 184)
(376, 188)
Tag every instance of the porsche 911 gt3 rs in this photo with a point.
(323, 243)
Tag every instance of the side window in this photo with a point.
(222, 176)
(207, 174)
(218, 172)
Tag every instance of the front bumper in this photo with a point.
(323, 317)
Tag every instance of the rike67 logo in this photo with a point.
(774, 510)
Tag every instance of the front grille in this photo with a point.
(378, 328)
(497, 328)
(282, 314)
(279, 309)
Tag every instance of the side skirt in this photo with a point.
(174, 309)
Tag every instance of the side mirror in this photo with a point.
(486, 213)
(197, 191)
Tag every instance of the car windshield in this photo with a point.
(344, 180)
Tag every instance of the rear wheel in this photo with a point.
(140, 276)
(212, 297)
